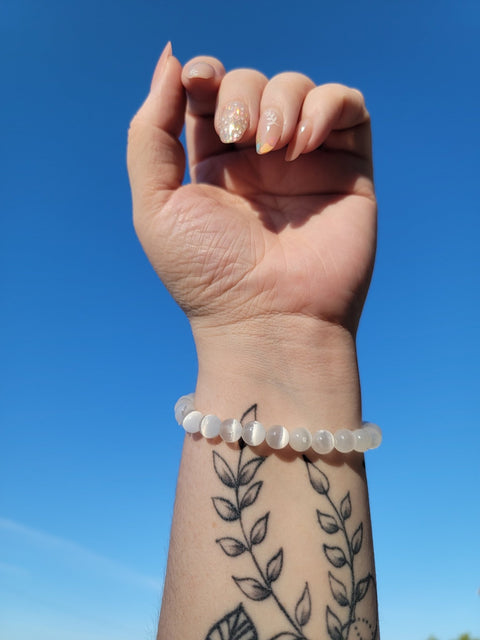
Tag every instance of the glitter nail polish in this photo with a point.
(233, 122)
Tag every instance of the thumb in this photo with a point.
(155, 156)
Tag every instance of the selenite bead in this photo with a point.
(362, 440)
(300, 439)
(375, 434)
(191, 422)
(344, 440)
(183, 406)
(277, 437)
(253, 433)
(231, 430)
(322, 441)
(210, 426)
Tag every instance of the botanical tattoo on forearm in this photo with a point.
(343, 618)
(346, 588)
(244, 490)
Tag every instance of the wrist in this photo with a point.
(297, 371)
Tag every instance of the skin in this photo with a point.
(270, 256)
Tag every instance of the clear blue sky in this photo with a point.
(94, 353)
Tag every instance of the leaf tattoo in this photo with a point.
(274, 566)
(236, 625)
(252, 588)
(259, 530)
(251, 495)
(338, 590)
(223, 470)
(335, 556)
(244, 490)
(303, 609)
(334, 626)
(226, 509)
(231, 546)
(341, 556)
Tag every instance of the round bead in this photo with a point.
(191, 422)
(210, 426)
(375, 434)
(322, 441)
(183, 406)
(344, 440)
(300, 439)
(253, 433)
(362, 440)
(277, 437)
(231, 430)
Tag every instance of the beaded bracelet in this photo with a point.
(368, 436)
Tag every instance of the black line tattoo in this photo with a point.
(341, 556)
(237, 625)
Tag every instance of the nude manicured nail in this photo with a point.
(269, 130)
(300, 140)
(233, 122)
(201, 70)
(161, 64)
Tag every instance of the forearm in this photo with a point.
(308, 575)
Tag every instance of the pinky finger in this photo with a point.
(331, 110)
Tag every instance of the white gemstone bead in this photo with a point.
(375, 434)
(210, 426)
(362, 440)
(344, 440)
(183, 406)
(231, 430)
(300, 439)
(253, 433)
(277, 437)
(322, 441)
(191, 422)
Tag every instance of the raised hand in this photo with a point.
(279, 218)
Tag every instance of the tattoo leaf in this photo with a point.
(252, 588)
(223, 470)
(318, 479)
(249, 470)
(304, 607)
(327, 522)
(286, 635)
(236, 625)
(334, 626)
(357, 539)
(338, 590)
(226, 509)
(274, 566)
(346, 507)
(259, 530)
(231, 546)
(362, 588)
(252, 410)
(251, 495)
(335, 556)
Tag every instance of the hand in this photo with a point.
(254, 235)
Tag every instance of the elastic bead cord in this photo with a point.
(253, 433)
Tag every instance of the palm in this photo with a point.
(258, 235)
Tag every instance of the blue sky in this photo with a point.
(94, 352)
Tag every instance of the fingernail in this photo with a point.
(201, 70)
(161, 64)
(269, 130)
(300, 140)
(233, 122)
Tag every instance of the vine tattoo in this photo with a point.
(244, 492)
(341, 554)
(341, 549)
